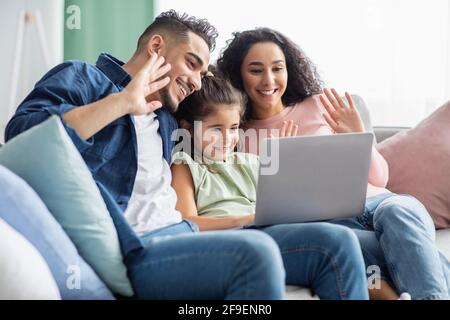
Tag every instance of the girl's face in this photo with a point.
(265, 77)
(219, 133)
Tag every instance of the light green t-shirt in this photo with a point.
(224, 188)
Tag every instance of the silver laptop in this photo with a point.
(312, 178)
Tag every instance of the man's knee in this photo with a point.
(258, 246)
(336, 237)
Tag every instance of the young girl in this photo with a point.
(216, 189)
(283, 89)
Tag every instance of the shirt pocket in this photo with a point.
(112, 141)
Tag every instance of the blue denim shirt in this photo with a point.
(111, 154)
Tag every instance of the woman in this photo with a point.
(283, 89)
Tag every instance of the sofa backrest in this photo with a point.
(381, 133)
(363, 111)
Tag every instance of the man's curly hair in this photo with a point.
(180, 24)
(303, 78)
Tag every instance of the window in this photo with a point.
(395, 54)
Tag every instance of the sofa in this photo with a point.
(381, 134)
(442, 236)
(95, 284)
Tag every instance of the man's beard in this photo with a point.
(167, 101)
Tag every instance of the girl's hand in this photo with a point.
(245, 220)
(340, 117)
(288, 129)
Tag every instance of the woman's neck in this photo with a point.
(262, 113)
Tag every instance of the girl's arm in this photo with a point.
(186, 205)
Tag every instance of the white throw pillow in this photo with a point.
(24, 274)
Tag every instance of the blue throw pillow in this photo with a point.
(46, 158)
(23, 210)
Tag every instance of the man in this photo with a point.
(119, 117)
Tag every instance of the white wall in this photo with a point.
(32, 64)
(394, 53)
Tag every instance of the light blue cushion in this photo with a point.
(45, 157)
(24, 211)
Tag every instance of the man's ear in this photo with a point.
(156, 44)
(185, 125)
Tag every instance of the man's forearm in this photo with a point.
(89, 119)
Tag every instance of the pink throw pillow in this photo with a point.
(419, 164)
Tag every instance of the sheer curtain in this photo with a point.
(31, 44)
(395, 54)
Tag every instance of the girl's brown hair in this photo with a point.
(215, 91)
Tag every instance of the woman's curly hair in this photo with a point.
(303, 79)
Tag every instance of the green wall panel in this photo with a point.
(111, 26)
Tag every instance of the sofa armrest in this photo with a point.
(382, 133)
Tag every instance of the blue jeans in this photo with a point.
(324, 257)
(177, 262)
(397, 234)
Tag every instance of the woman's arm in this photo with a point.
(343, 118)
(379, 169)
(184, 187)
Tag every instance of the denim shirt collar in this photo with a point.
(112, 68)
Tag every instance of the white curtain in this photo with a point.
(31, 46)
(394, 53)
